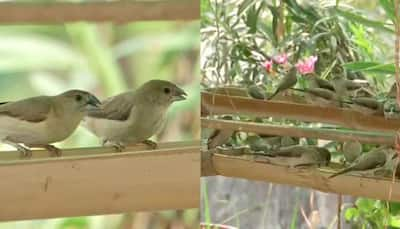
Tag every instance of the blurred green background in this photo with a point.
(105, 59)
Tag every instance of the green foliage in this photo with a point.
(74, 223)
(369, 213)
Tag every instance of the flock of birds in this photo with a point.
(288, 151)
(338, 92)
(128, 118)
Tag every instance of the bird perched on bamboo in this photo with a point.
(308, 155)
(288, 81)
(317, 82)
(42, 120)
(134, 116)
(390, 106)
(371, 160)
(257, 144)
(288, 141)
(366, 105)
(351, 150)
(320, 96)
(256, 92)
(219, 137)
(342, 84)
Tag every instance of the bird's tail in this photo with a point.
(340, 172)
(298, 89)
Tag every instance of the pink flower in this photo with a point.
(281, 58)
(268, 65)
(307, 65)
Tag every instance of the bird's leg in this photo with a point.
(118, 146)
(153, 145)
(26, 152)
(54, 151)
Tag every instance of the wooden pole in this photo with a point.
(97, 181)
(222, 104)
(309, 178)
(292, 131)
(118, 11)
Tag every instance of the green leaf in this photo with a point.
(77, 223)
(388, 6)
(371, 67)
(365, 205)
(246, 4)
(363, 20)
(351, 213)
(394, 208)
(394, 221)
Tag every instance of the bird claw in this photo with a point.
(25, 152)
(118, 147)
(54, 151)
(150, 143)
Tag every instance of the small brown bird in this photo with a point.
(220, 137)
(310, 155)
(317, 82)
(134, 116)
(367, 105)
(371, 160)
(256, 92)
(288, 81)
(351, 150)
(40, 121)
(320, 97)
(257, 144)
(341, 84)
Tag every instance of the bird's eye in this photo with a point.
(78, 98)
(167, 90)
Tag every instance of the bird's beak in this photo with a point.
(93, 101)
(179, 95)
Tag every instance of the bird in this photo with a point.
(317, 82)
(374, 159)
(366, 105)
(42, 120)
(219, 137)
(288, 81)
(341, 83)
(257, 144)
(288, 141)
(309, 155)
(256, 92)
(351, 150)
(320, 96)
(134, 116)
(390, 106)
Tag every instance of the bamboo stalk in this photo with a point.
(238, 167)
(102, 182)
(118, 11)
(222, 104)
(327, 134)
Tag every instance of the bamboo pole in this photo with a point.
(117, 11)
(97, 181)
(238, 167)
(292, 131)
(222, 104)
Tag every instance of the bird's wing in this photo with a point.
(115, 108)
(33, 109)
